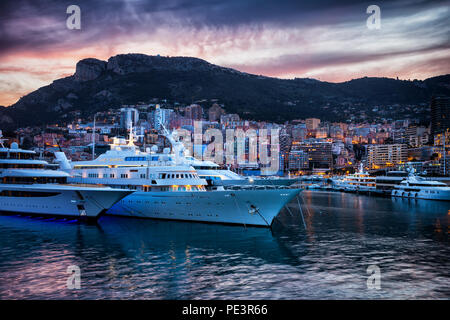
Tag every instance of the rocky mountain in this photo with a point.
(130, 78)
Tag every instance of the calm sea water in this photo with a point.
(123, 258)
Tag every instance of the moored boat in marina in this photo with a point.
(360, 181)
(28, 186)
(415, 187)
(169, 189)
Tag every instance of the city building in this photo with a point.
(423, 153)
(319, 152)
(386, 155)
(312, 123)
(299, 132)
(416, 136)
(322, 132)
(336, 132)
(194, 112)
(298, 160)
(229, 120)
(440, 114)
(128, 116)
(285, 141)
(161, 116)
(215, 112)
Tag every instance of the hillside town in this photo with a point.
(306, 146)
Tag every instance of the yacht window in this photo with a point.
(134, 158)
(13, 193)
(31, 180)
(21, 166)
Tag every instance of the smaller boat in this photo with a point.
(360, 181)
(27, 185)
(416, 187)
(387, 183)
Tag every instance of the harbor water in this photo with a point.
(324, 255)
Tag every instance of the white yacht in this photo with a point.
(360, 181)
(168, 188)
(28, 186)
(385, 184)
(419, 188)
(217, 176)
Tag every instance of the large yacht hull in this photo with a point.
(67, 201)
(243, 207)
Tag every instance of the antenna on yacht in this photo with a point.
(131, 136)
(410, 170)
(177, 146)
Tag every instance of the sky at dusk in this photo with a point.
(325, 40)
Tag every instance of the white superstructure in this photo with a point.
(27, 186)
(360, 181)
(217, 176)
(418, 188)
(168, 188)
(385, 184)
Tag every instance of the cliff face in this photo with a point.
(131, 78)
(89, 69)
(122, 64)
(130, 63)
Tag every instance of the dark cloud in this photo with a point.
(40, 24)
(301, 63)
(270, 37)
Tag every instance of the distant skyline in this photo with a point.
(321, 39)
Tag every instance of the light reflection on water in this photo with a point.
(123, 258)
